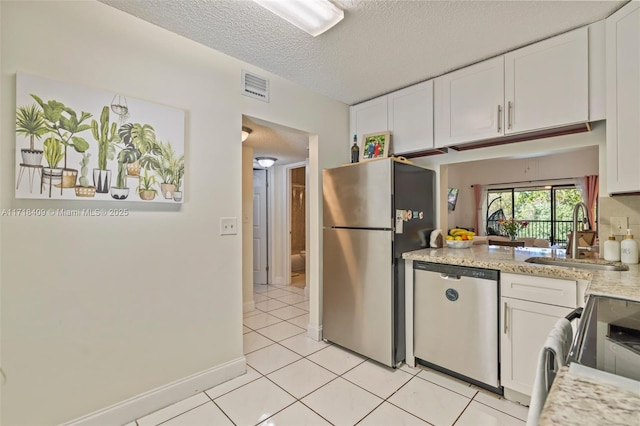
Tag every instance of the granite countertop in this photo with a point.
(621, 284)
(575, 399)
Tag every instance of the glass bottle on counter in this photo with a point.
(355, 151)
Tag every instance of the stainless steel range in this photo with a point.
(608, 338)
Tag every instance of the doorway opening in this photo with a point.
(297, 225)
(260, 227)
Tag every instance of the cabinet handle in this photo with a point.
(504, 328)
(509, 112)
(499, 119)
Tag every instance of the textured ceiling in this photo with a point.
(379, 47)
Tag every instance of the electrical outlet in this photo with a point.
(228, 226)
(619, 225)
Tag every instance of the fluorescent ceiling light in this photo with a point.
(312, 16)
(266, 162)
(245, 133)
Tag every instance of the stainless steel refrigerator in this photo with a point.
(373, 212)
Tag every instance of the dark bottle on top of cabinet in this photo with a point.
(355, 151)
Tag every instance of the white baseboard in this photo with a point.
(163, 396)
(248, 306)
(314, 332)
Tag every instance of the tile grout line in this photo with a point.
(299, 399)
(223, 412)
(462, 412)
(180, 414)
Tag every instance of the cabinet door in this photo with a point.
(368, 117)
(411, 118)
(623, 99)
(468, 103)
(547, 83)
(524, 327)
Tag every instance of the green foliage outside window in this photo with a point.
(548, 210)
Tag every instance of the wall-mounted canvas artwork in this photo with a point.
(78, 143)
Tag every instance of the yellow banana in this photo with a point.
(455, 232)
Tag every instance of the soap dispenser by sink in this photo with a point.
(629, 249)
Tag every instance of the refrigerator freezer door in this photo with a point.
(358, 292)
(358, 195)
(414, 200)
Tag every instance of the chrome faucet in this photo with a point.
(574, 234)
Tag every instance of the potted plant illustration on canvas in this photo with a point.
(65, 124)
(127, 155)
(146, 190)
(30, 122)
(177, 194)
(165, 163)
(53, 155)
(84, 189)
(143, 137)
(106, 136)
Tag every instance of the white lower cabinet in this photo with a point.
(524, 328)
(525, 324)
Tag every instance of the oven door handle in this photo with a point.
(575, 314)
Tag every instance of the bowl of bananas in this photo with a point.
(460, 238)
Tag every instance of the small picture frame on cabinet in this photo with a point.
(375, 145)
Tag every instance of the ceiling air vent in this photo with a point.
(255, 86)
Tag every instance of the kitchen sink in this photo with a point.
(601, 265)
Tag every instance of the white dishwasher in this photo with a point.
(456, 322)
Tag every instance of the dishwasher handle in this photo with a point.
(450, 276)
(455, 270)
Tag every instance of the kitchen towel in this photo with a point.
(558, 342)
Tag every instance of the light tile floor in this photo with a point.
(292, 380)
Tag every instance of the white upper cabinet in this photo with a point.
(411, 118)
(547, 83)
(541, 86)
(623, 99)
(597, 71)
(368, 117)
(469, 103)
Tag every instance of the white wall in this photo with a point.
(97, 310)
(453, 165)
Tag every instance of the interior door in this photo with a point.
(260, 255)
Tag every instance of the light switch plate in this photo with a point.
(228, 226)
(619, 225)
